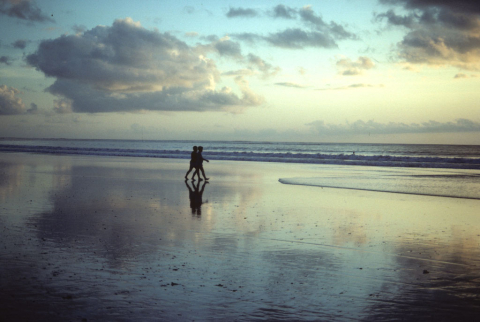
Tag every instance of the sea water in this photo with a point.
(438, 170)
(383, 155)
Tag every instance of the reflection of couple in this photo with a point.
(195, 196)
(196, 162)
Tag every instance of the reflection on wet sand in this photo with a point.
(10, 179)
(127, 239)
(195, 195)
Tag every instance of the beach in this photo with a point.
(101, 238)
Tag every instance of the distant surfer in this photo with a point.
(199, 165)
(193, 162)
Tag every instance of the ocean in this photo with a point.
(433, 170)
(380, 155)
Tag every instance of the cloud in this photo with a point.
(191, 34)
(5, 60)
(439, 32)
(227, 47)
(466, 6)
(296, 38)
(288, 84)
(265, 68)
(33, 109)
(347, 67)
(337, 31)
(397, 20)
(240, 72)
(241, 12)
(314, 33)
(24, 10)
(10, 104)
(126, 67)
(352, 86)
(20, 44)
(79, 29)
(281, 11)
(372, 127)
(462, 75)
(63, 106)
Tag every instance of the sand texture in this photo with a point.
(127, 239)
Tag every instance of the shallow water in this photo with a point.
(120, 239)
(459, 183)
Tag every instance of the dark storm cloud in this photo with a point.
(467, 6)
(127, 68)
(20, 44)
(23, 9)
(10, 104)
(241, 12)
(372, 127)
(439, 32)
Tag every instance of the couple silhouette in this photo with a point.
(196, 162)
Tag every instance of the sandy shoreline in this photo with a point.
(106, 238)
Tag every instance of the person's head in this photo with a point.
(195, 148)
(200, 148)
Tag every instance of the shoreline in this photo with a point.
(101, 238)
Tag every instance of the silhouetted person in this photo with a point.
(193, 162)
(195, 197)
(199, 166)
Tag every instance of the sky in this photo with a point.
(356, 71)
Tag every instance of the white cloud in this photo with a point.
(126, 67)
(290, 84)
(347, 67)
(10, 104)
(372, 127)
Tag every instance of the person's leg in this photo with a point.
(195, 173)
(188, 172)
(203, 172)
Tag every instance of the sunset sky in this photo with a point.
(379, 71)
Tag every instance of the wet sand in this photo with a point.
(124, 239)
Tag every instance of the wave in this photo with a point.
(281, 157)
